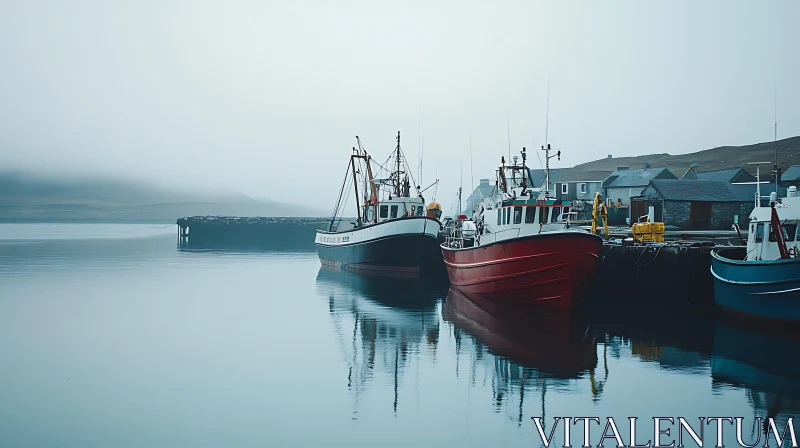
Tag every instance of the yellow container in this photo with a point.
(648, 231)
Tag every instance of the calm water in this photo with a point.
(110, 336)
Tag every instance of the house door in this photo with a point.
(700, 215)
(638, 208)
(658, 215)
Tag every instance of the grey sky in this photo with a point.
(233, 94)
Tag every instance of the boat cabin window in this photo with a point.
(517, 215)
(759, 233)
(789, 231)
(499, 216)
(394, 212)
(530, 213)
(543, 214)
(556, 212)
(508, 215)
(384, 211)
(566, 210)
(419, 210)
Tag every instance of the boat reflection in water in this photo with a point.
(762, 363)
(532, 349)
(381, 323)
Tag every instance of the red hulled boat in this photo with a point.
(525, 249)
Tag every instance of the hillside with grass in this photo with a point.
(723, 157)
(29, 198)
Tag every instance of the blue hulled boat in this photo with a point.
(762, 279)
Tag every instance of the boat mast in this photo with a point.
(758, 186)
(373, 188)
(758, 181)
(355, 185)
(397, 192)
(502, 174)
(547, 158)
(461, 181)
(524, 171)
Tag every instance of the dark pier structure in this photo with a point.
(659, 274)
(270, 234)
(662, 274)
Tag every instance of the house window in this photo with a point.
(564, 188)
(759, 233)
(384, 211)
(517, 215)
(583, 188)
(530, 213)
(394, 212)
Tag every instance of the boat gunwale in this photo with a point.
(716, 256)
(404, 218)
(734, 282)
(380, 238)
(522, 238)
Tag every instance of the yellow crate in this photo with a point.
(648, 231)
(641, 228)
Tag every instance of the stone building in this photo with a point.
(690, 204)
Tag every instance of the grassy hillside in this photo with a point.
(26, 198)
(720, 158)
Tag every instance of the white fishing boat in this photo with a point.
(393, 233)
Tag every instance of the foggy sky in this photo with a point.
(267, 97)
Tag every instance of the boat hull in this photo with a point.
(757, 289)
(547, 269)
(406, 246)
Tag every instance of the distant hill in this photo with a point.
(28, 198)
(714, 159)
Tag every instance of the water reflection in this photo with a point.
(532, 350)
(388, 327)
(677, 338)
(381, 323)
(761, 362)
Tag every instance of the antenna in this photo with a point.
(547, 114)
(471, 175)
(508, 132)
(421, 142)
(777, 173)
(459, 188)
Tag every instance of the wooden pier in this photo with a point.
(243, 233)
